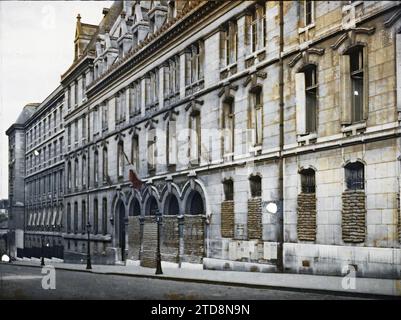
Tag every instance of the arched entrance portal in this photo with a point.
(172, 207)
(195, 204)
(151, 206)
(194, 228)
(121, 228)
(135, 209)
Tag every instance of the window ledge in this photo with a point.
(307, 137)
(354, 128)
(308, 27)
(255, 54)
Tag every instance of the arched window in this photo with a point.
(308, 184)
(95, 217)
(104, 216)
(196, 205)
(228, 186)
(152, 206)
(120, 159)
(105, 165)
(355, 176)
(135, 209)
(172, 207)
(255, 186)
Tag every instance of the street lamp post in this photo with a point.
(88, 258)
(158, 256)
(42, 260)
(9, 245)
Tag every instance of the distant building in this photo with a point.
(266, 132)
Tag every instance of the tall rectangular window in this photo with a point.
(228, 127)
(257, 28)
(105, 115)
(311, 99)
(84, 170)
(104, 216)
(83, 217)
(229, 43)
(95, 217)
(83, 127)
(96, 167)
(151, 149)
(256, 112)
(68, 218)
(105, 165)
(308, 12)
(357, 78)
(135, 152)
(171, 143)
(76, 131)
(76, 217)
(194, 138)
(95, 120)
(75, 92)
(120, 159)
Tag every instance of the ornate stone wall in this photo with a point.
(353, 216)
(227, 219)
(194, 235)
(170, 240)
(306, 219)
(134, 237)
(148, 256)
(255, 218)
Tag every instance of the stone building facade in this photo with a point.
(266, 133)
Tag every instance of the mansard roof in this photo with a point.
(26, 113)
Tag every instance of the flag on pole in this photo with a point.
(135, 181)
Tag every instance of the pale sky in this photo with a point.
(36, 47)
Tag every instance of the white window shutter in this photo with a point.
(345, 90)
(300, 102)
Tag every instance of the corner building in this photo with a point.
(266, 133)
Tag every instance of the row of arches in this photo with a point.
(171, 205)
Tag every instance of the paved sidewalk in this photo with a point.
(193, 273)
